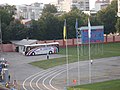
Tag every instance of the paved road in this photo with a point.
(55, 78)
(19, 68)
(33, 78)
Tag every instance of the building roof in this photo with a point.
(25, 21)
(25, 42)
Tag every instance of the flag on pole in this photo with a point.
(65, 39)
(76, 27)
(76, 24)
(64, 31)
(89, 29)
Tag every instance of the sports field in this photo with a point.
(107, 85)
(97, 51)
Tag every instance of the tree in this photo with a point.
(71, 20)
(15, 31)
(50, 26)
(34, 31)
(117, 26)
(94, 21)
(6, 16)
(4, 32)
(10, 8)
(49, 8)
(6, 13)
(107, 17)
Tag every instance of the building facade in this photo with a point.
(32, 11)
(81, 4)
(101, 4)
(67, 5)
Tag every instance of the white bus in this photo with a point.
(37, 49)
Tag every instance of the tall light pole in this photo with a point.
(0, 38)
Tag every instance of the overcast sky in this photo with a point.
(19, 2)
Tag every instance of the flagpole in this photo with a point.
(89, 36)
(89, 63)
(67, 62)
(65, 39)
(78, 52)
(1, 47)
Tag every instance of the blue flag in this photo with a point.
(76, 27)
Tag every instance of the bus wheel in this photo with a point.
(50, 52)
(33, 54)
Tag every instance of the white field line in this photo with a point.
(27, 79)
(47, 72)
(43, 82)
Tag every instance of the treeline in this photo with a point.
(50, 24)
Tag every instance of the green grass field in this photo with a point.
(107, 85)
(97, 51)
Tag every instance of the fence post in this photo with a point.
(106, 38)
(73, 42)
(113, 38)
(63, 43)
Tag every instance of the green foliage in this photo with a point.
(117, 26)
(34, 30)
(50, 24)
(96, 52)
(15, 31)
(50, 8)
(6, 13)
(5, 17)
(71, 20)
(107, 17)
(94, 21)
(107, 85)
(10, 9)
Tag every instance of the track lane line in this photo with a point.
(28, 79)
(43, 82)
(47, 73)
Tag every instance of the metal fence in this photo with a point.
(70, 42)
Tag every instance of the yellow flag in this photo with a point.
(64, 31)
